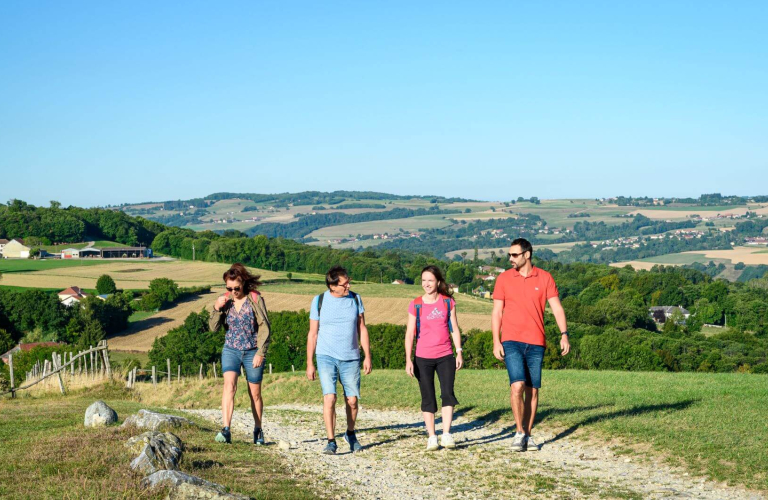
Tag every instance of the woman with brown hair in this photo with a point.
(432, 321)
(243, 314)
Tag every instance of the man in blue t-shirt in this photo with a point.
(336, 318)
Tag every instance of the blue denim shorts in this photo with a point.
(232, 359)
(330, 370)
(523, 362)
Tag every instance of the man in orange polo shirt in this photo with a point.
(519, 298)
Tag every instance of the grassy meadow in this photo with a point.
(47, 453)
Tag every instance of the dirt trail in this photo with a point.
(394, 465)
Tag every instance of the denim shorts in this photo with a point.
(330, 370)
(523, 362)
(232, 359)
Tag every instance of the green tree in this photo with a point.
(165, 289)
(105, 285)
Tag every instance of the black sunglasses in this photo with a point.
(515, 255)
(236, 289)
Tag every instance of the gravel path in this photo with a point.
(394, 465)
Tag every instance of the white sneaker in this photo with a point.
(519, 442)
(532, 445)
(432, 443)
(446, 441)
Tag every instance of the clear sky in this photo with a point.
(111, 102)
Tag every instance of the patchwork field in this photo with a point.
(127, 274)
(748, 255)
(382, 226)
(485, 253)
(686, 211)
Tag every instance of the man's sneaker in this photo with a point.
(519, 442)
(532, 445)
(354, 444)
(330, 448)
(224, 436)
(432, 443)
(446, 441)
(258, 436)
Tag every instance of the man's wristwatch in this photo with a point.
(566, 333)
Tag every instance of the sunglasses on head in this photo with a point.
(236, 289)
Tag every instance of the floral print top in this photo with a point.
(241, 333)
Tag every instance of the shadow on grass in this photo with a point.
(629, 412)
(409, 427)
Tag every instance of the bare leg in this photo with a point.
(329, 415)
(429, 422)
(531, 404)
(228, 397)
(351, 412)
(516, 391)
(257, 404)
(447, 419)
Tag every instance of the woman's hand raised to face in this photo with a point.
(220, 303)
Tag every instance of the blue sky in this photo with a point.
(110, 102)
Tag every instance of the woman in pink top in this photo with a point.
(432, 321)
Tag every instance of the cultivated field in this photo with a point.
(382, 226)
(485, 253)
(748, 255)
(686, 211)
(128, 275)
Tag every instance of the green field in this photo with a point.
(47, 453)
(23, 265)
(381, 226)
(691, 208)
(682, 258)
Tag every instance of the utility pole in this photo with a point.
(193, 251)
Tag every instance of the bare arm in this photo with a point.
(496, 315)
(410, 333)
(559, 313)
(456, 334)
(365, 343)
(314, 326)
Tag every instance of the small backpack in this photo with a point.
(419, 302)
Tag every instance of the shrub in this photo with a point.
(165, 289)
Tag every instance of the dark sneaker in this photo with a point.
(519, 442)
(224, 436)
(330, 448)
(258, 437)
(354, 444)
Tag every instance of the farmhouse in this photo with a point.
(760, 240)
(70, 296)
(661, 314)
(398, 282)
(27, 347)
(3, 242)
(15, 249)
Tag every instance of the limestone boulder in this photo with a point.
(187, 491)
(99, 415)
(156, 451)
(174, 478)
(146, 419)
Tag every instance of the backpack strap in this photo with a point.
(448, 306)
(319, 304)
(417, 305)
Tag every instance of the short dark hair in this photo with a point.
(524, 245)
(334, 274)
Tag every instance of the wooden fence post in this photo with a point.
(270, 368)
(10, 365)
(71, 365)
(93, 371)
(57, 367)
(168, 362)
(178, 373)
(201, 371)
(214, 370)
(154, 376)
(293, 368)
(107, 364)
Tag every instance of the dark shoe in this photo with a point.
(258, 437)
(330, 448)
(354, 444)
(224, 436)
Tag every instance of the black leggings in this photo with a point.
(424, 369)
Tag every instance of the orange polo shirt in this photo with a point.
(524, 301)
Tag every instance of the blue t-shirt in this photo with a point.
(337, 336)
